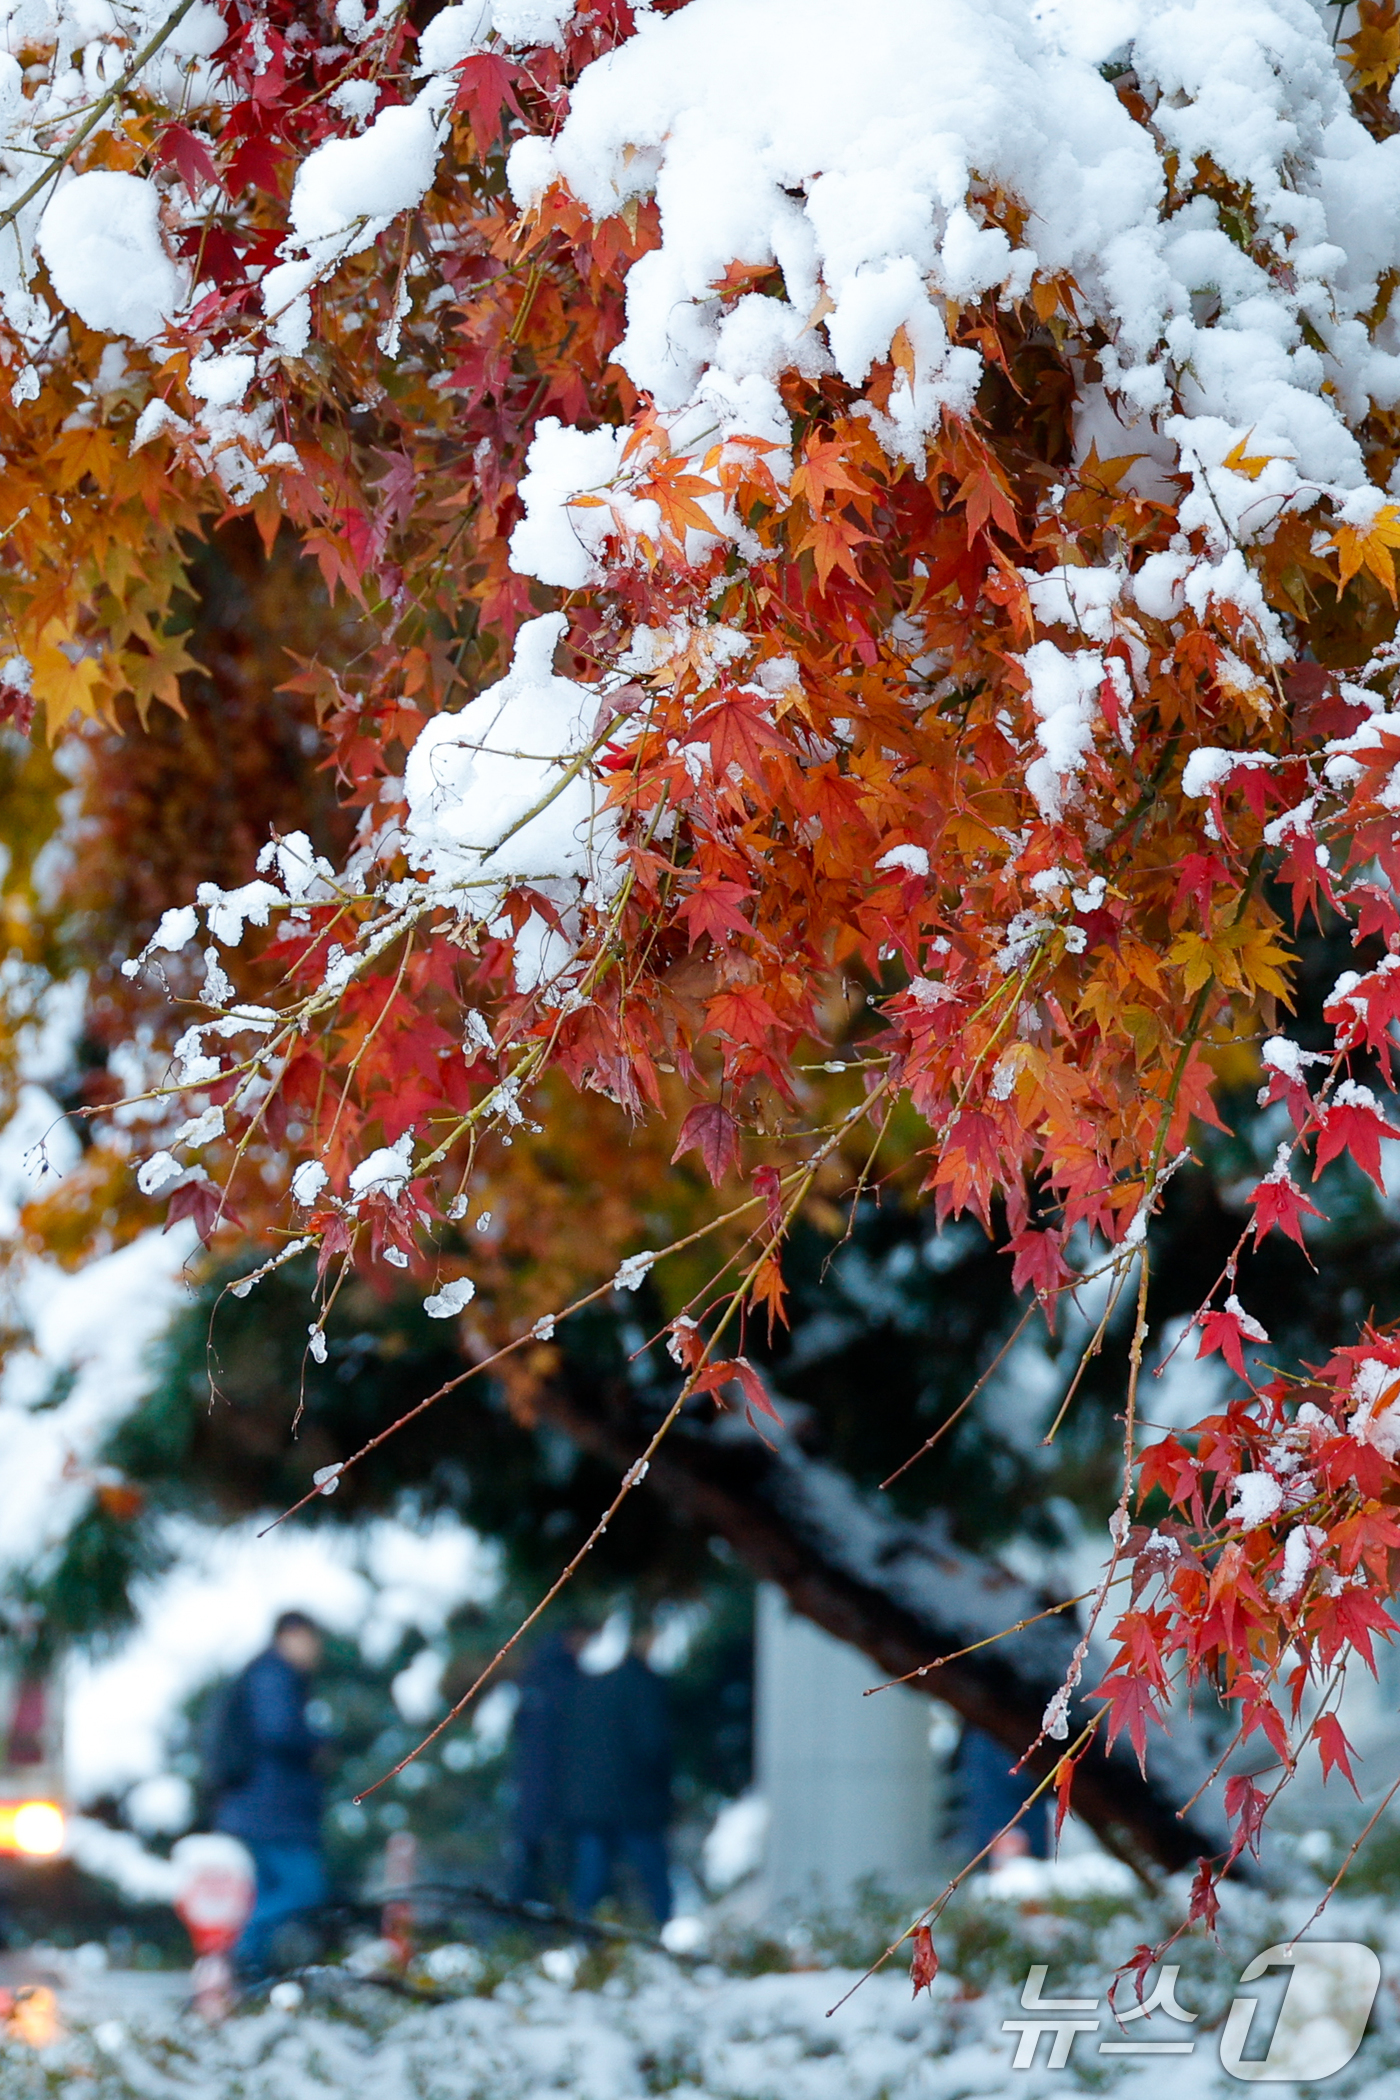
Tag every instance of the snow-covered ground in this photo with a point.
(651, 2026)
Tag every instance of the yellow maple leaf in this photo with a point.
(1196, 959)
(84, 451)
(1371, 547)
(1263, 963)
(66, 678)
(1374, 52)
(1250, 464)
(1242, 958)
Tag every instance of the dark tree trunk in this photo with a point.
(907, 1597)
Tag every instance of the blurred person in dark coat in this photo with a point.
(536, 1763)
(615, 1782)
(268, 1791)
(988, 1794)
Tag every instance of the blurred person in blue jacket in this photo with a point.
(988, 1792)
(615, 1782)
(262, 1764)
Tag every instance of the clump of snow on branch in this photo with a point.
(461, 31)
(499, 793)
(346, 193)
(452, 1299)
(305, 876)
(633, 1272)
(350, 189)
(1064, 694)
(101, 240)
(97, 232)
(1376, 1387)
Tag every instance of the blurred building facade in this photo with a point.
(854, 1786)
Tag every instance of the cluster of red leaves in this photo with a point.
(1267, 1577)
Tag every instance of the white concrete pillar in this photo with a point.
(850, 1782)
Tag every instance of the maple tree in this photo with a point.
(964, 646)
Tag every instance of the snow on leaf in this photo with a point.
(1257, 1497)
(1279, 1204)
(385, 1172)
(1353, 1124)
(100, 237)
(1228, 1329)
(308, 1181)
(154, 1173)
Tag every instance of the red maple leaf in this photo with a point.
(743, 1015)
(712, 1132)
(1364, 1010)
(201, 1201)
(1353, 1124)
(1201, 874)
(1039, 1261)
(1170, 1467)
(767, 1183)
(1143, 1635)
(1335, 1751)
(713, 910)
(1317, 704)
(486, 91)
(256, 165)
(1280, 1204)
(1064, 1782)
(1376, 913)
(1205, 1904)
(1131, 1705)
(1358, 1614)
(739, 734)
(185, 150)
(1368, 1535)
(17, 706)
(754, 1388)
(1142, 1958)
(1244, 1806)
(1259, 1711)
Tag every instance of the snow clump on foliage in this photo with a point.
(498, 794)
(101, 240)
(877, 188)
